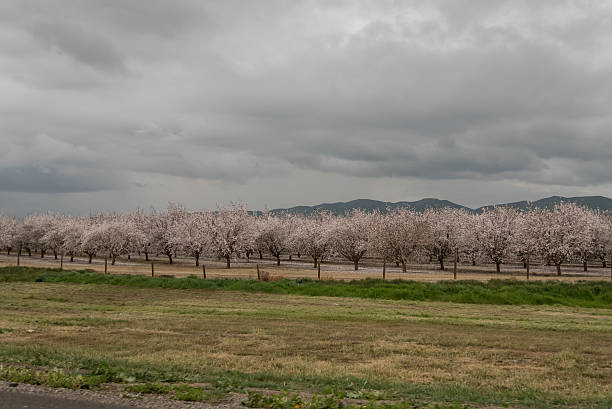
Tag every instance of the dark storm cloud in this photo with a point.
(159, 93)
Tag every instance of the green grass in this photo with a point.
(498, 292)
(332, 400)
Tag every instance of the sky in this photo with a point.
(114, 105)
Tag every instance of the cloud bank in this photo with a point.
(280, 103)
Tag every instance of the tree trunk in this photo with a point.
(170, 258)
(315, 261)
(42, 254)
(497, 268)
(584, 265)
(356, 265)
(260, 254)
(278, 260)
(129, 257)
(55, 254)
(90, 257)
(524, 264)
(558, 269)
(227, 261)
(397, 263)
(146, 256)
(113, 260)
(72, 258)
(30, 252)
(8, 251)
(197, 260)
(441, 260)
(403, 265)
(290, 257)
(603, 263)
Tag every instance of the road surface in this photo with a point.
(20, 400)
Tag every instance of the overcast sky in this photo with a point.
(111, 105)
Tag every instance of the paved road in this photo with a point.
(20, 400)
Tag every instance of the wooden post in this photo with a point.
(319, 269)
(152, 269)
(384, 268)
(204, 271)
(528, 256)
(105, 265)
(455, 264)
(62, 261)
(258, 276)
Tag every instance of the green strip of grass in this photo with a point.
(593, 294)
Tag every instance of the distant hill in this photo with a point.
(370, 205)
(593, 202)
(601, 203)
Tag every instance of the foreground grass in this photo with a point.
(516, 355)
(498, 292)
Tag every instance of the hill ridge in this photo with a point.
(601, 203)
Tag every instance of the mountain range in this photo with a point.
(601, 203)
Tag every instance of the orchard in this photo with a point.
(565, 234)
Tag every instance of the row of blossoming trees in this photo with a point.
(566, 233)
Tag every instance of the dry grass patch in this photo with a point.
(561, 351)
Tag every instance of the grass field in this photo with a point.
(484, 355)
(512, 292)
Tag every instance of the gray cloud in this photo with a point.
(216, 101)
(86, 47)
(53, 180)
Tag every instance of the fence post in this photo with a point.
(455, 264)
(258, 276)
(384, 268)
(152, 269)
(528, 256)
(105, 265)
(204, 271)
